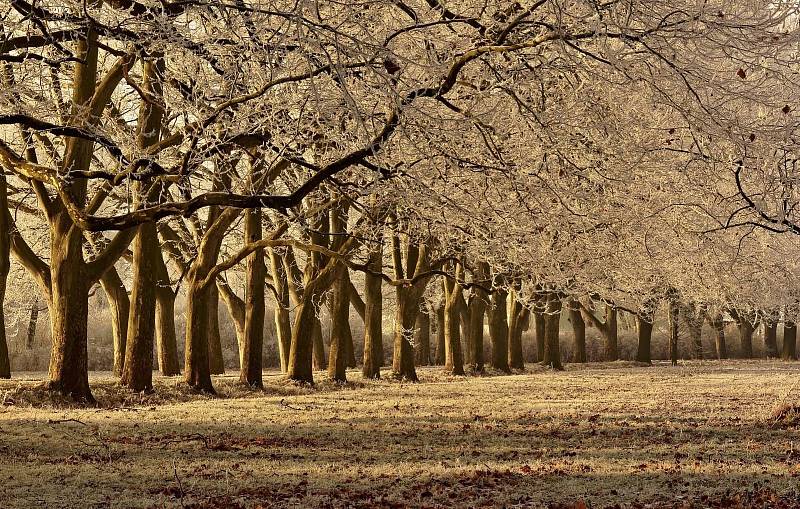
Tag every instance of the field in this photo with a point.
(709, 434)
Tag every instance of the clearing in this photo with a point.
(702, 433)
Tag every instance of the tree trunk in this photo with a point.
(718, 324)
(422, 338)
(373, 316)
(610, 334)
(454, 358)
(498, 330)
(283, 324)
(578, 331)
(69, 314)
(694, 322)
(5, 266)
(673, 332)
(746, 338)
(302, 346)
(340, 327)
(250, 371)
(643, 349)
(477, 310)
(137, 373)
(405, 319)
(515, 325)
(552, 346)
(166, 340)
(320, 360)
(119, 304)
(216, 360)
(197, 367)
(539, 327)
(440, 336)
(789, 350)
(30, 338)
(770, 339)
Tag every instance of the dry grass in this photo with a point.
(603, 434)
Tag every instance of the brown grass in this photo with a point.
(698, 435)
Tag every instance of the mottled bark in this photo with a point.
(119, 305)
(251, 368)
(552, 346)
(373, 315)
(789, 349)
(422, 338)
(498, 329)
(578, 331)
(770, 338)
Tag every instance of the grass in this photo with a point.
(702, 434)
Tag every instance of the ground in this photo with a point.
(701, 434)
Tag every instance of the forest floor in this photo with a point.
(705, 434)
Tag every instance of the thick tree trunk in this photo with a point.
(789, 350)
(405, 319)
(216, 360)
(770, 339)
(373, 317)
(645, 325)
(498, 330)
(746, 338)
(5, 266)
(250, 371)
(477, 310)
(578, 331)
(454, 358)
(718, 324)
(440, 337)
(320, 359)
(610, 334)
(119, 304)
(552, 346)
(694, 322)
(69, 312)
(539, 325)
(166, 340)
(283, 324)
(302, 346)
(340, 327)
(673, 332)
(422, 338)
(515, 326)
(137, 373)
(197, 367)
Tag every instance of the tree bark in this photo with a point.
(746, 331)
(119, 304)
(373, 315)
(610, 334)
(5, 267)
(578, 331)
(422, 338)
(539, 325)
(137, 373)
(477, 309)
(515, 325)
(283, 324)
(166, 340)
(216, 360)
(340, 328)
(718, 324)
(552, 346)
(770, 338)
(789, 350)
(674, 312)
(454, 357)
(645, 325)
(498, 330)
(440, 336)
(405, 319)
(251, 368)
(30, 338)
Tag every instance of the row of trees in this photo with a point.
(529, 156)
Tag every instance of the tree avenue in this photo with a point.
(456, 173)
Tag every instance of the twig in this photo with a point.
(178, 480)
(61, 421)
